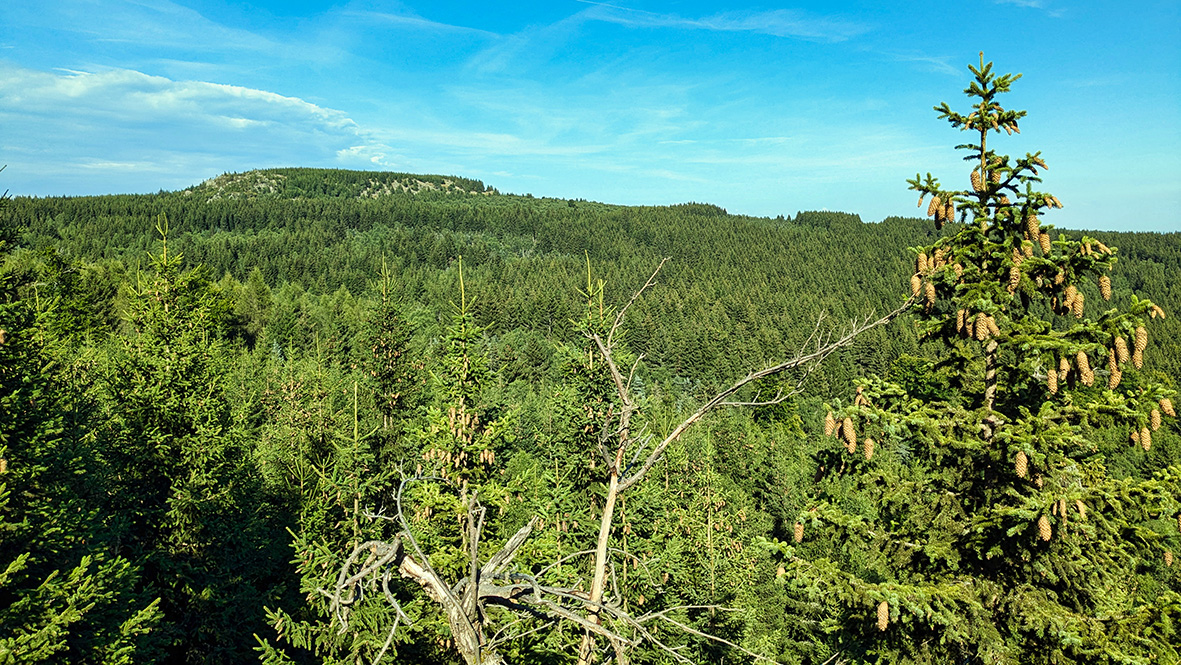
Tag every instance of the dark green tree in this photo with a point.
(183, 483)
(972, 517)
(64, 596)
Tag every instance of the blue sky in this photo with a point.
(763, 109)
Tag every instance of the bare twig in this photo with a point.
(635, 296)
(802, 359)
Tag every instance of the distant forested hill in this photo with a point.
(737, 291)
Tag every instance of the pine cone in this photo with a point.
(959, 271)
(1114, 378)
(993, 329)
(959, 320)
(1063, 368)
(1032, 227)
(929, 293)
(1137, 359)
(1121, 350)
(1168, 558)
(1154, 420)
(1043, 527)
(935, 205)
(1141, 341)
(1135, 437)
(1043, 239)
(1014, 278)
(981, 327)
(1052, 381)
(977, 183)
(883, 615)
(849, 434)
(1027, 249)
(921, 263)
(868, 449)
(798, 532)
(1145, 439)
(1082, 509)
(995, 177)
(1077, 305)
(1166, 405)
(830, 424)
(1105, 287)
(1068, 296)
(1022, 464)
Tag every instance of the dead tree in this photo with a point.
(629, 457)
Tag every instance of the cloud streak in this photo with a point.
(122, 120)
(777, 22)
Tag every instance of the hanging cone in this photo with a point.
(868, 449)
(830, 424)
(1022, 464)
(1166, 405)
(883, 615)
(798, 532)
(1077, 305)
(1105, 287)
(1121, 350)
(1043, 527)
(1032, 228)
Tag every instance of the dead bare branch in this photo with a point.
(635, 296)
(799, 360)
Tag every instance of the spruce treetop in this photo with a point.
(975, 517)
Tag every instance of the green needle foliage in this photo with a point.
(64, 597)
(972, 512)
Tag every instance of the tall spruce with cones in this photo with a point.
(979, 522)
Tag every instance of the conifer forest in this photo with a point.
(297, 416)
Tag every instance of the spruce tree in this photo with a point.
(65, 596)
(971, 511)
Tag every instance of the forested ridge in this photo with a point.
(211, 398)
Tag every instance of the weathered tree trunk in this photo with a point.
(586, 649)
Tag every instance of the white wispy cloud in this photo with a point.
(776, 22)
(122, 120)
(413, 22)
